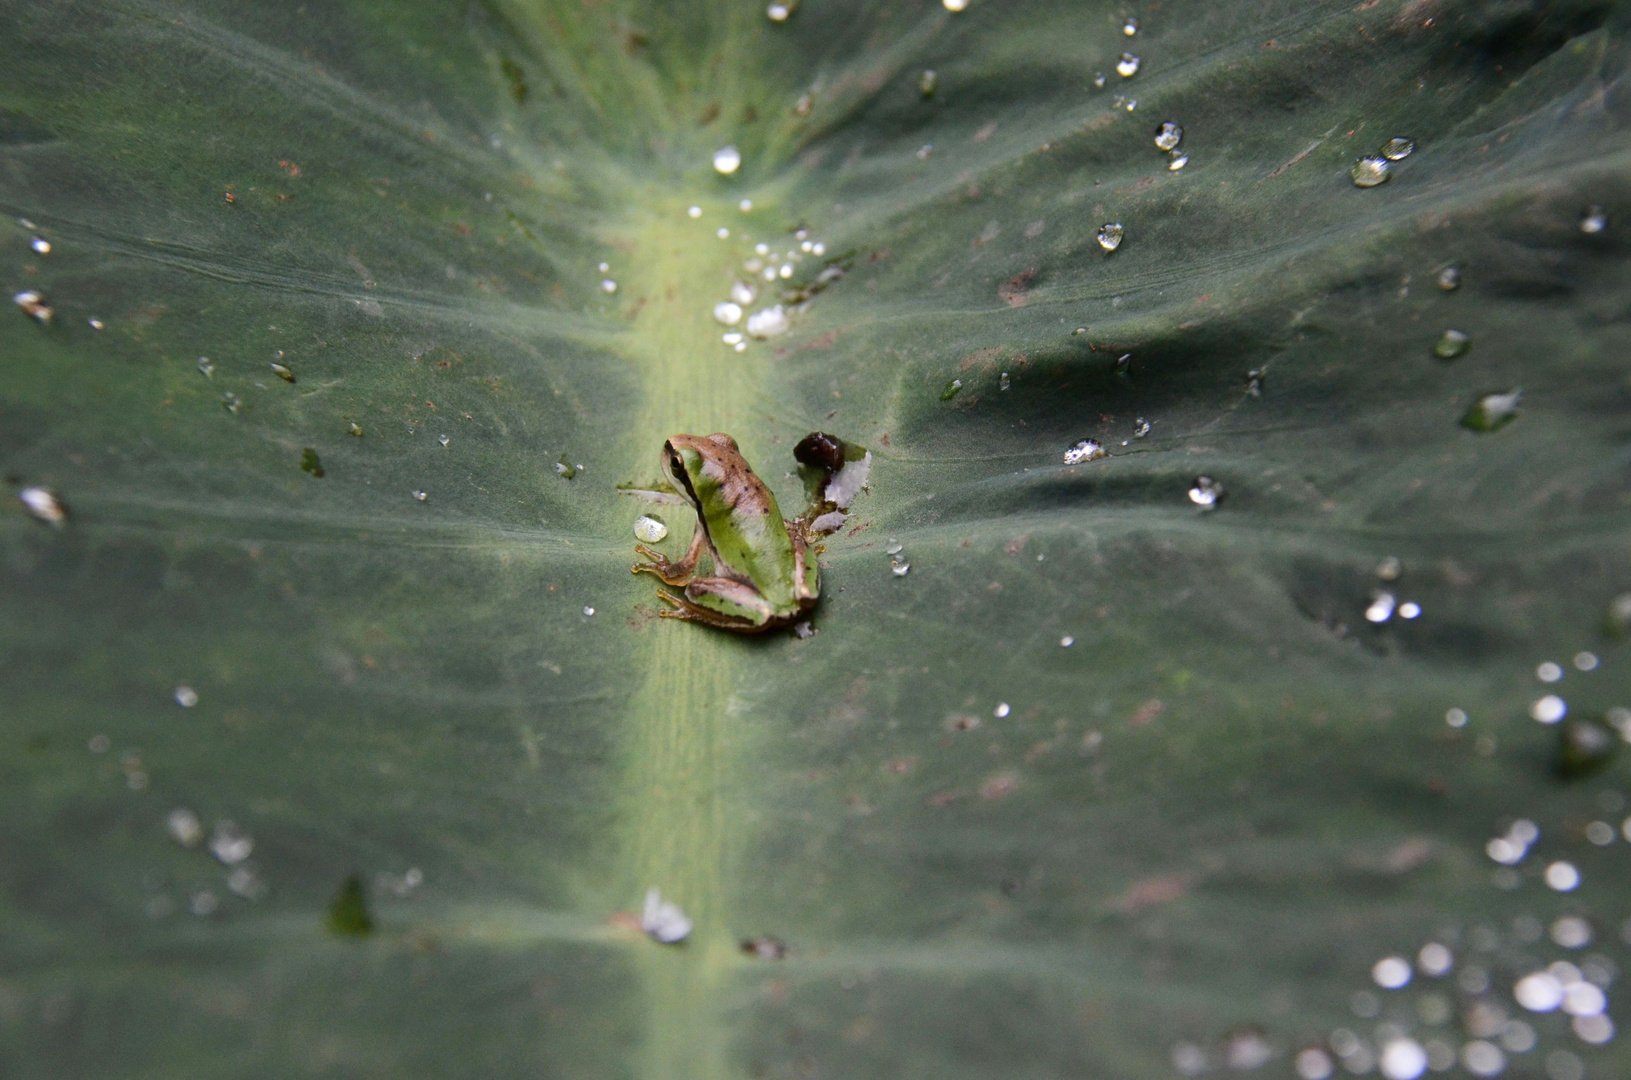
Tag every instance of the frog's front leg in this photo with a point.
(730, 605)
(674, 573)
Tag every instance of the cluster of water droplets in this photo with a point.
(1377, 168)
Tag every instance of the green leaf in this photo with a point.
(1105, 783)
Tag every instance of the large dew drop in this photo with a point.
(1127, 66)
(780, 10)
(1086, 450)
(1452, 344)
(1493, 411)
(649, 529)
(768, 322)
(1398, 149)
(727, 159)
(1370, 171)
(1110, 235)
(1168, 135)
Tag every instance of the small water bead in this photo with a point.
(40, 245)
(1206, 493)
(1130, 27)
(1584, 747)
(1593, 220)
(723, 233)
(421, 496)
(1141, 428)
(1449, 278)
(1127, 66)
(1168, 135)
(804, 105)
(608, 286)
(927, 82)
(1368, 172)
(955, 5)
(1398, 149)
(1562, 877)
(1314, 1064)
(663, 921)
(924, 151)
(1098, 80)
(1084, 451)
(34, 305)
(1549, 709)
(768, 322)
(1600, 833)
(1002, 710)
(692, 212)
(443, 439)
(97, 324)
(229, 845)
(1391, 972)
(1409, 610)
(186, 696)
(746, 206)
(649, 529)
(231, 402)
(203, 903)
(283, 373)
(1456, 718)
(1254, 383)
(1435, 960)
(742, 293)
(1110, 235)
(353, 429)
(1066, 642)
(1586, 661)
(1452, 344)
(43, 505)
(728, 312)
(1403, 1059)
(184, 827)
(951, 390)
(818, 249)
(1003, 382)
(899, 568)
(732, 338)
(565, 469)
(1483, 1058)
(588, 611)
(1596, 1029)
(1549, 672)
(779, 10)
(1381, 607)
(1493, 411)
(246, 883)
(1571, 931)
(727, 159)
(1177, 162)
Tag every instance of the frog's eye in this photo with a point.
(676, 467)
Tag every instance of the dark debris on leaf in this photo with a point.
(348, 915)
(309, 462)
(1585, 747)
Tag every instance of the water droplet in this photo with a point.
(230, 845)
(1110, 235)
(818, 249)
(1409, 610)
(723, 233)
(1493, 411)
(733, 337)
(1456, 718)
(40, 245)
(779, 10)
(283, 373)
(740, 346)
(1003, 381)
(98, 744)
(1398, 149)
(746, 206)
(1517, 1037)
(246, 883)
(184, 827)
(1586, 661)
(1066, 642)
(690, 212)
(1188, 1059)
(1141, 428)
(1391, 972)
(421, 496)
(588, 611)
(1549, 709)
(765, 947)
(1127, 66)
(206, 367)
(1538, 992)
(1452, 344)
(1600, 833)
(927, 82)
(443, 439)
(951, 389)
(1132, 103)
(1482, 1058)
(352, 429)
(1098, 80)
(1571, 931)
(34, 306)
(1178, 161)
(608, 286)
(1381, 607)
(1434, 960)
(309, 463)
(564, 468)
(924, 151)
(97, 324)
(1593, 220)
(895, 547)
(768, 322)
(728, 312)
(1168, 135)
(1084, 451)
(1549, 672)
(1449, 278)
(1368, 172)
(1595, 1029)
(1206, 492)
(649, 530)
(1562, 877)
(43, 505)
(1314, 1064)
(899, 568)
(1002, 710)
(1254, 383)
(1403, 1059)
(955, 5)
(727, 159)
(203, 903)
(231, 402)
(1130, 27)
(663, 921)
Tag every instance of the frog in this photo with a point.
(764, 570)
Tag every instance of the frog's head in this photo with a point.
(686, 456)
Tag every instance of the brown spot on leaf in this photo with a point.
(1012, 291)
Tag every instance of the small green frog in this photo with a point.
(763, 575)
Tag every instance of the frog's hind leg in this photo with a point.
(753, 617)
(674, 573)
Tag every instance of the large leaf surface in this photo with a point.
(1197, 826)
